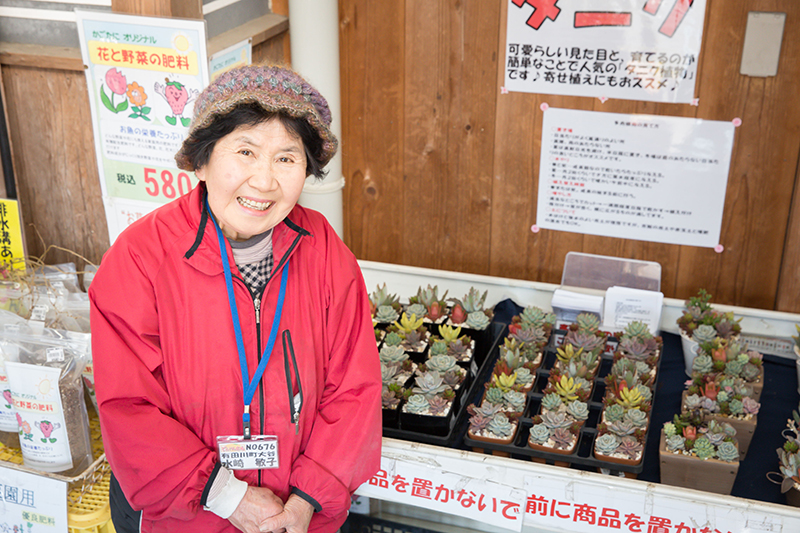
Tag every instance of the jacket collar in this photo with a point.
(204, 251)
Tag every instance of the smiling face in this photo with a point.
(254, 177)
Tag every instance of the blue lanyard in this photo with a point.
(249, 387)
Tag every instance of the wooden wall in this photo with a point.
(442, 169)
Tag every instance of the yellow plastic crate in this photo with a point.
(87, 497)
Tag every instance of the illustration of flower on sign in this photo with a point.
(117, 84)
(138, 98)
(47, 428)
(177, 96)
(7, 398)
(24, 428)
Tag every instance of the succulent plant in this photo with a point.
(736, 407)
(607, 444)
(416, 310)
(501, 426)
(578, 410)
(534, 317)
(644, 392)
(587, 322)
(621, 428)
(459, 349)
(449, 333)
(408, 323)
(441, 363)
(734, 368)
(493, 395)
(486, 409)
(629, 398)
(727, 452)
(386, 314)
(504, 382)
(478, 423)
(750, 372)
(636, 418)
(554, 420)
(428, 296)
(510, 353)
(457, 314)
(393, 339)
(389, 400)
(693, 401)
(568, 353)
(630, 447)
(551, 402)
(514, 400)
(728, 326)
(454, 378)
(429, 384)
(389, 372)
(539, 434)
(586, 340)
(524, 377)
(703, 448)
(637, 330)
(477, 320)
(704, 333)
(702, 364)
(381, 297)
(676, 443)
(439, 347)
(638, 349)
(392, 355)
(562, 438)
(531, 339)
(438, 406)
(567, 388)
(614, 413)
(750, 406)
(473, 301)
(417, 404)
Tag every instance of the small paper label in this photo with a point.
(55, 355)
(258, 452)
(39, 313)
(58, 284)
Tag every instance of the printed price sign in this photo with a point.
(143, 75)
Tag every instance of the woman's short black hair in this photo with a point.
(198, 146)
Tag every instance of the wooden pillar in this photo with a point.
(191, 9)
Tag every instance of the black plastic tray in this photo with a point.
(486, 351)
(583, 450)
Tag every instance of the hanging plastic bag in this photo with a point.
(44, 372)
(9, 428)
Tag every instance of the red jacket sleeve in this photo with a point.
(160, 464)
(344, 448)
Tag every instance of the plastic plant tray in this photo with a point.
(488, 356)
(582, 455)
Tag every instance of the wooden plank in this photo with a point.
(372, 62)
(3, 191)
(152, 8)
(281, 7)
(34, 55)
(260, 30)
(789, 280)
(57, 181)
(271, 51)
(187, 9)
(449, 133)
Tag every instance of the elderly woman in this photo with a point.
(236, 371)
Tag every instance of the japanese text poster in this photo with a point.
(12, 246)
(628, 49)
(32, 503)
(143, 75)
(230, 58)
(641, 177)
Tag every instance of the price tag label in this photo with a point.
(38, 313)
(55, 355)
(238, 453)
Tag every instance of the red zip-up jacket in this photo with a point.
(168, 379)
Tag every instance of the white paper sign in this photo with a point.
(31, 503)
(641, 177)
(630, 49)
(624, 305)
(559, 504)
(447, 492)
(232, 57)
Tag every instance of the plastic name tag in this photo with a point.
(256, 453)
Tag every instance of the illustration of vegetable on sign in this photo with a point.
(177, 96)
(7, 398)
(117, 84)
(47, 429)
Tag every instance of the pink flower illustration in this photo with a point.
(116, 81)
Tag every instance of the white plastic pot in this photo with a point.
(689, 352)
(325, 197)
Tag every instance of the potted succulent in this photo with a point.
(554, 432)
(447, 367)
(392, 353)
(789, 459)
(385, 307)
(435, 308)
(731, 358)
(637, 343)
(621, 435)
(469, 313)
(699, 312)
(699, 454)
(451, 342)
(392, 395)
(429, 405)
(568, 354)
(491, 424)
(503, 390)
(414, 334)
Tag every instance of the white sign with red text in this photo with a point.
(422, 485)
(629, 49)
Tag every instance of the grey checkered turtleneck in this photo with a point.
(254, 259)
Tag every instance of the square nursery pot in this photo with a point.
(793, 497)
(391, 417)
(427, 424)
(690, 472)
(553, 450)
(617, 460)
(744, 431)
(508, 441)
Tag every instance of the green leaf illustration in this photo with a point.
(53, 440)
(186, 121)
(44, 440)
(123, 106)
(145, 117)
(133, 115)
(171, 120)
(145, 110)
(106, 101)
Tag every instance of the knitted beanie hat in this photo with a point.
(276, 89)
